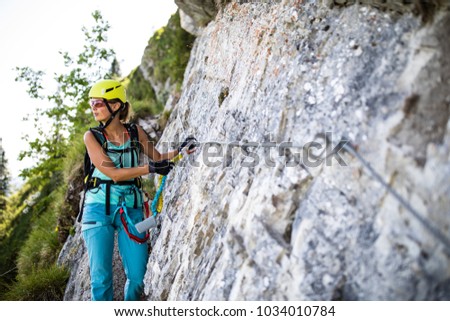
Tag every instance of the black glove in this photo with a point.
(189, 140)
(162, 167)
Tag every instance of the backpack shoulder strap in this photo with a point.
(99, 136)
(89, 166)
(135, 146)
(134, 134)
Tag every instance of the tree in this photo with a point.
(114, 71)
(3, 178)
(67, 116)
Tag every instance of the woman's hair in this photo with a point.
(126, 112)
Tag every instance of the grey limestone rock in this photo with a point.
(283, 229)
(200, 11)
(188, 24)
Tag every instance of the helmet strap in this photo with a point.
(113, 113)
(108, 106)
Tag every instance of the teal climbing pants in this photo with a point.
(98, 233)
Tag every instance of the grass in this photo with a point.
(42, 285)
(42, 247)
(29, 244)
(15, 226)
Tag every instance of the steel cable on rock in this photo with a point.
(345, 143)
(429, 226)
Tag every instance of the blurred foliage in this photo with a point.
(4, 180)
(37, 219)
(28, 227)
(67, 116)
(15, 224)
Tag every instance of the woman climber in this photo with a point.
(113, 198)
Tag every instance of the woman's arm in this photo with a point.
(150, 150)
(106, 165)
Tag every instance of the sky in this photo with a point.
(32, 33)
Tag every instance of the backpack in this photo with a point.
(94, 182)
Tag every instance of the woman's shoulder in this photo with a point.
(94, 134)
(88, 135)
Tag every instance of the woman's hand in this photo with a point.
(191, 144)
(162, 167)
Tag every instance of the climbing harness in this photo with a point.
(126, 223)
(94, 182)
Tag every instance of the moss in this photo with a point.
(141, 95)
(169, 50)
(149, 187)
(138, 87)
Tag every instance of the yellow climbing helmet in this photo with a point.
(108, 89)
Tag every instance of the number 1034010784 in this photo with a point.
(295, 311)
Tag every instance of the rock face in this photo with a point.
(200, 11)
(273, 221)
(261, 223)
(188, 24)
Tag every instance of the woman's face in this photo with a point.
(99, 110)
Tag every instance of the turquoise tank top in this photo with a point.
(129, 193)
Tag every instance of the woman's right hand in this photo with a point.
(191, 142)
